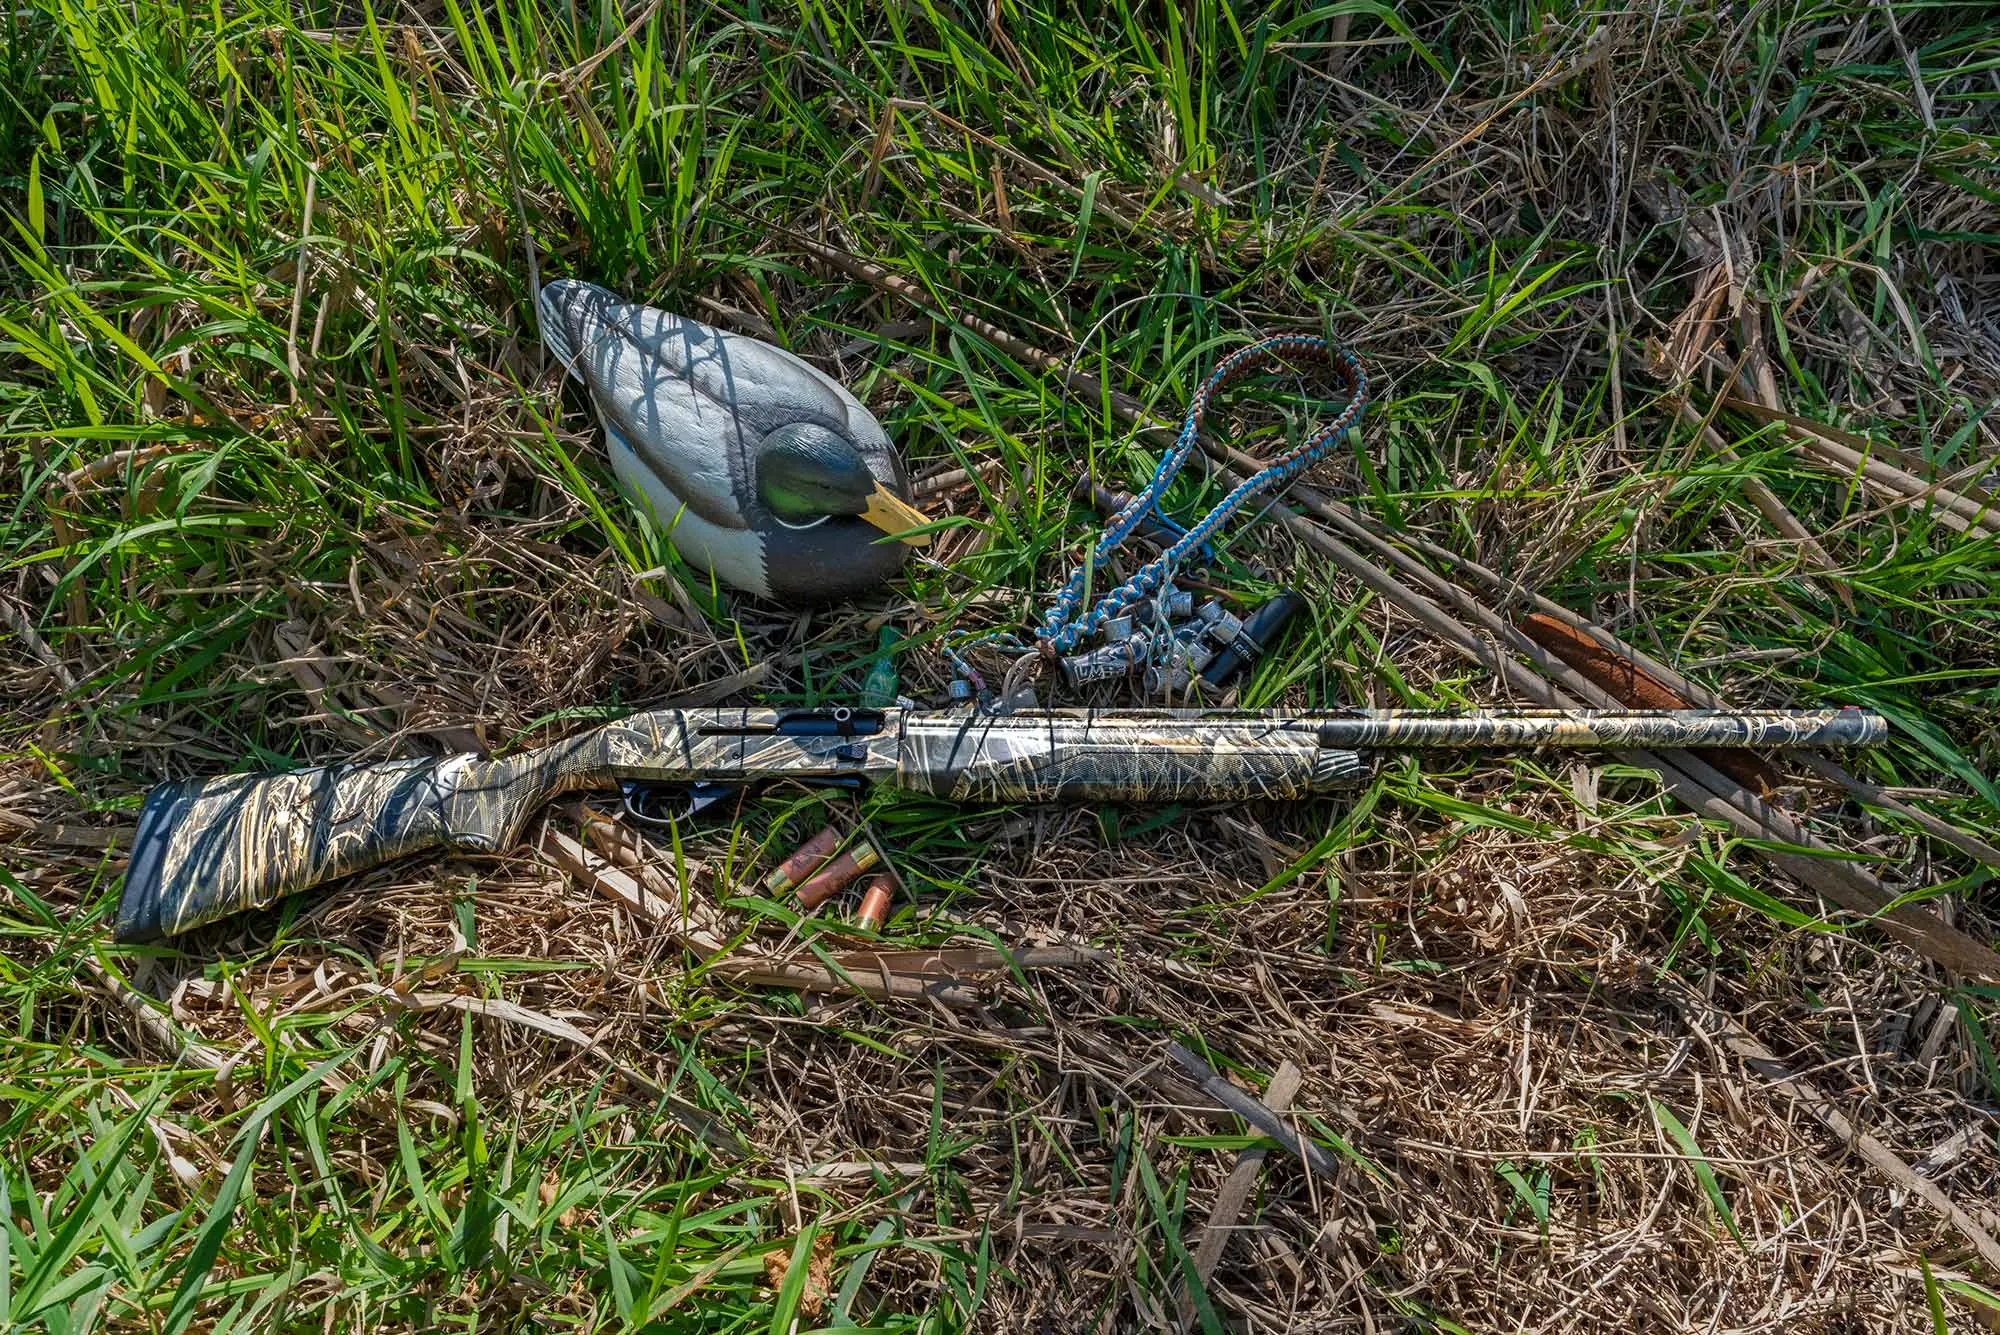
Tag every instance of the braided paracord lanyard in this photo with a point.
(1060, 633)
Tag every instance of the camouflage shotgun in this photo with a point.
(210, 847)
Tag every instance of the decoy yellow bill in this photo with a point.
(896, 516)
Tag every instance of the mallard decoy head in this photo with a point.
(758, 466)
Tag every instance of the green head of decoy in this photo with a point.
(808, 473)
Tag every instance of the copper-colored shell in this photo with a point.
(836, 875)
(806, 859)
(875, 899)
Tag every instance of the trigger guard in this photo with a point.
(642, 801)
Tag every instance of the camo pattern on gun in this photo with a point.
(208, 848)
(1136, 756)
(1605, 729)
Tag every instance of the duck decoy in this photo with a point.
(757, 465)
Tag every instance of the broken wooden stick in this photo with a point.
(1236, 1189)
(1257, 1114)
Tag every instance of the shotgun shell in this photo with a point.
(874, 904)
(806, 859)
(836, 875)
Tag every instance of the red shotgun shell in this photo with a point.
(806, 859)
(836, 875)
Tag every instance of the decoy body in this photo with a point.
(758, 466)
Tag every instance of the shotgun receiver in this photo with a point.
(207, 848)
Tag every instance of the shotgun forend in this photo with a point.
(207, 848)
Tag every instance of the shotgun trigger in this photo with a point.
(650, 804)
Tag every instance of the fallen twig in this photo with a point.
(949, 976)
(1767, 502)
(756, 971)
(18, 621)
(105, 466)
(1236, 1189)
(961, 960)
(1858, 456)
(953, 478)
(158, 1026)
(154, 1023)
(1259, 1115)
(614, 883)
